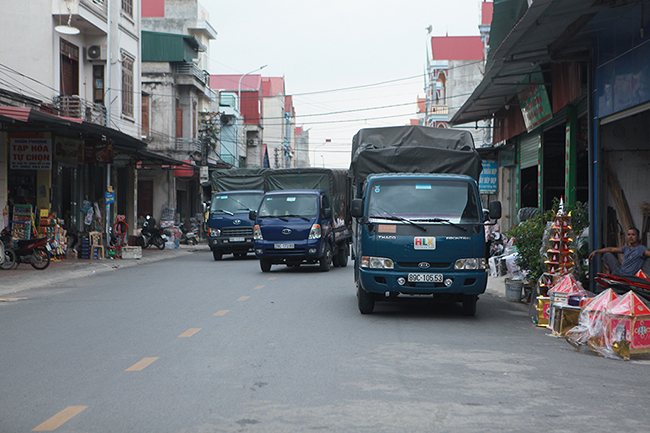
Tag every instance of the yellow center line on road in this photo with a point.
(243, 298)
(258, 287)
(220, 312)
(189, 332)
(273, 278)
(142, 364)
(60, 418)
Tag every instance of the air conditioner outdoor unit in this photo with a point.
(251, 142)
(96, 52)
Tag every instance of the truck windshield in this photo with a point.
(297, 205)
(431, 200)
(232, 203)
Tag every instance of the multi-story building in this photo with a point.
(70, 109)
(278, 123)
(179, 107)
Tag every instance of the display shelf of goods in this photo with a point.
(22, 221)
(50, 227)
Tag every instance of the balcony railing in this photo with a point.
(438, 109)
(189, 68)
(188, 145)
(74, 106)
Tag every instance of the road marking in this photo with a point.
(142, 364)
(273, 278)
(10, 299)
(258, 287)
(220, 312)
(189, 332)
(60, 418)
(243, 298)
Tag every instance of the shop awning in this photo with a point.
(134, 150)
(549, 31)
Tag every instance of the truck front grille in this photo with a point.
(237, 232)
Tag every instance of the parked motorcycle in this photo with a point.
(496, 243)
(188, 237)
(151, 235)
(36, 252)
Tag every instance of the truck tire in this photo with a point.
(366, 301)
(342, 256)
(217, 255)
(325, 262)
(265, 265)
(469, 305)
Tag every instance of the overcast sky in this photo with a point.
(321, 47)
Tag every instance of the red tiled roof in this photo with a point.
(457, 48)
(272, 86)
(231, 82)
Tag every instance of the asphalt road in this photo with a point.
(192, 345)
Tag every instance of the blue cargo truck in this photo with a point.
(419, 225)
(235, 193)
(304, 218)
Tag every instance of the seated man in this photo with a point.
(633, 256)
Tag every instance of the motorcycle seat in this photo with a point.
(25, 242)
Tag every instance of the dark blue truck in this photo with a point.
(419, 228)
(304, 219)
(235, 193)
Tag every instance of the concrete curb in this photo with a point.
(38, 279)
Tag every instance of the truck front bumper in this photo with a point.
(308, 250)
(397, 281)
(226, 246)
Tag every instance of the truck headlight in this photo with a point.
(214, 233)
(315, 232)
(473, 263)
(377, 262)
(257, 233)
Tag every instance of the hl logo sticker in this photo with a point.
(424, 243)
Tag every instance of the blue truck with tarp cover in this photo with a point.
(235, 192)
(304, 218)
(419, 224)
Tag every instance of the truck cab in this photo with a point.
(230, 231)
(294, 227)
(419, 235)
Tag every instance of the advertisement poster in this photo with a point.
(535, 106)
(27, 153)
(487, 182)
(68, 150)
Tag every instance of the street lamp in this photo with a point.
(239, 107)
(327, 140)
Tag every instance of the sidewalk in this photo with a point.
(26, 277)
(496, 286)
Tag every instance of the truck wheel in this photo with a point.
(469, 305)
(216, 254)
(366, 301)
(325, 262)
(265, 264)
(342, 256)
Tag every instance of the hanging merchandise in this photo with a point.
(22, 222)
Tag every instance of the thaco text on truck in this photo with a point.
(235, 193)
(304, 218)
(419, 225)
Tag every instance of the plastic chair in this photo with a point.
(96, 242)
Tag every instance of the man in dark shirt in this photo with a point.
(633, 256)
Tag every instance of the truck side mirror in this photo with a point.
(252, 215)
(327, 213)
(357, 208)
(495, 210)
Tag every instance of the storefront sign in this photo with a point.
(98, 151)
(110, 197)
(30, 153)
(68, 150)
(535, 106)
(487, 182)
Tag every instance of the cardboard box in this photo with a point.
(131, 252)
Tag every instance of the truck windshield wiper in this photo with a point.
(224, 211)
(296, 216)
(442, 220)
(398, 218)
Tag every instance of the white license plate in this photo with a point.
(284, 246)
(425, 278)
(237, 239)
